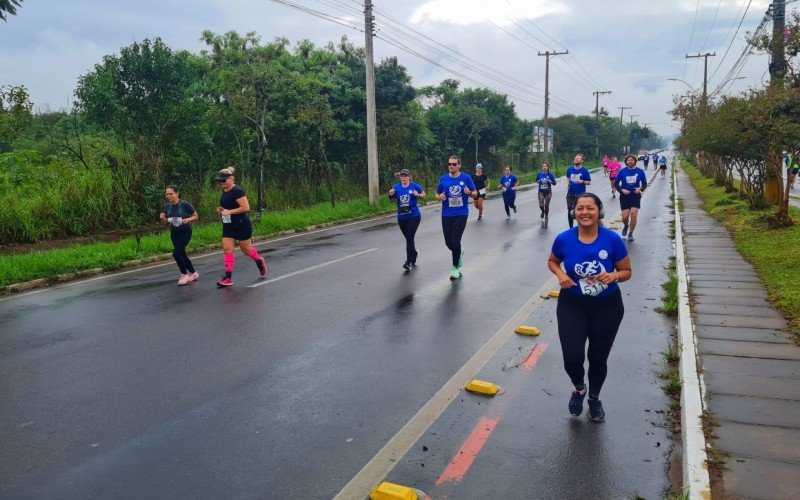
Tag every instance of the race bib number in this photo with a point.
(631, 179)
(455, 202)
(591, 286)
(482, 191)
(175, 221)
(575, 178)
(226, 219)
(544, 185)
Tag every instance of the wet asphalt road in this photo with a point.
(128, 386)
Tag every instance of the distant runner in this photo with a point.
(546, 181)
(662, 165)
(408, 214)
(606, 161)
(578, 178)
(509, 183)
(453, 190)
(646, 160)
(481, 181)
(179, 215)
(236, 226)
(613, 171)
(631, 183)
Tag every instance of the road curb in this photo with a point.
(696, 481)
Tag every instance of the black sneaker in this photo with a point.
(407, 266)
(596, 412)
(515, 209)
(541, 216)
(576, 402)
(624, 230)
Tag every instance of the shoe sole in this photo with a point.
(220, 285)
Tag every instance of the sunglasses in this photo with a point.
(456, 164)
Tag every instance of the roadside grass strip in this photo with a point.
(772, 252)
(109, 256)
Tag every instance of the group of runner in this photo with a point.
(588, 260)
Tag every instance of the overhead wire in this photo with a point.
(691, 37)
(733, 39)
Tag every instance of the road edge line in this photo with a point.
(696, 481)
(380, 465)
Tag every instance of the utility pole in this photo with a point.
(777, 69)
(622, 126)
(547, 99)
(705, 73)
(372, 135)
(597, 95)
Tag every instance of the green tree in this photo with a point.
(15, 114)
(9, 7)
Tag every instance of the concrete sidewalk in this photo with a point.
(751, 368)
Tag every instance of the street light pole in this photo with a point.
(705, 73)
(621, 125)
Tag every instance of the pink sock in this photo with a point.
(254, 253)
(228, 260)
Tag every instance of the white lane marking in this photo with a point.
(318, 266)
(384, 461)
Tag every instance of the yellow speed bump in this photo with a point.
(553, 293)
(482, 387)
(527, 330)
(391, 491)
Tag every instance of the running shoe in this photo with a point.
(184, 279)
(223, 282)
(576, 402)
(613, 195)
(541, 216)
(461, 259)
(454, 273)
(624, 230)
(407, 266)
(508, 217)
(596, 412)
(194, 277)
(515, 209)
(262, 266)
(630, 237)
(479, 217)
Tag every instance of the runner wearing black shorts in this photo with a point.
(481, 181)
(236, 226)
(631, 183)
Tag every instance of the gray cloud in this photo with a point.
(630, 47)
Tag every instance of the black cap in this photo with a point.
(221, 177)
(405, 171)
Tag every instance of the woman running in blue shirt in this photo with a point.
(408, 215)
(590, 303)
(509, 183)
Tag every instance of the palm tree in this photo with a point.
(10, 7)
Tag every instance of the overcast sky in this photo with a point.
(630, 47)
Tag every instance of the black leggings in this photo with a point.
(409, 229)
(596, 319)
(180, 239)
(571, 200)
(509, 201)
(544, 201)
(453, 228)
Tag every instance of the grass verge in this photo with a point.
(17, 268)
(773, 252)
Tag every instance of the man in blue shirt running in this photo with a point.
(578, 178)
(453, 191)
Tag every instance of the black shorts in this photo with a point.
(241, 232)
(663, 167)
(481, 195)
(627, 201)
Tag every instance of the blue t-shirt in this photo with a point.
(631, 179)
(583, 261)
(662, 160)
(407, 207)
(455, 203)
(646, 158)
(545, 180)
(573, 174)
(509, 181)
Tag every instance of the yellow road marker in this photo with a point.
(391, 491)
(482, 387)
(527, 330)
(554, 293)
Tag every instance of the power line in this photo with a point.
(733, 39)
(691, 37)
(344, 22)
